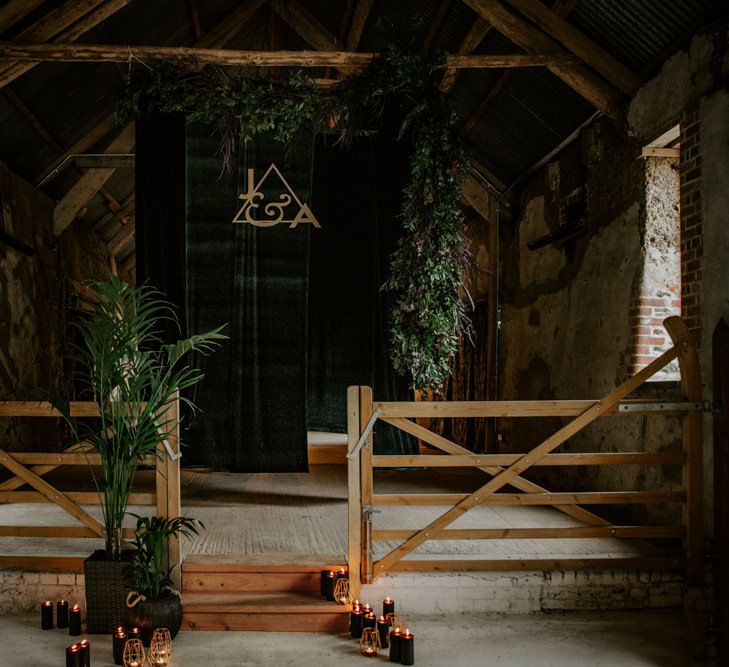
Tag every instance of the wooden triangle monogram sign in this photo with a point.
(283, 207)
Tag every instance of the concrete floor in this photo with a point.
(574, 639)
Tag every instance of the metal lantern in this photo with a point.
(369, 644)
(164, 640)
(133, 653)
(341, 592)
(396, 621)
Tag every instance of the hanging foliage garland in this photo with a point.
(430, 262)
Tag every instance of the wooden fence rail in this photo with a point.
(29, 468)
(503, 469)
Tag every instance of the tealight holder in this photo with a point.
(160, 648)
(396, 620)
(369, 644)
(341, 592)
(133, 653)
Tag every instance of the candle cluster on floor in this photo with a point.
(127, 645)
(79, 654)
(383, 632)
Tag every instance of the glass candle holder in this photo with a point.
(134, 653)
(341, 592)
(162, 645)
(369, 644)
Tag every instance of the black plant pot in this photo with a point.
(148, 615)
(107, 584)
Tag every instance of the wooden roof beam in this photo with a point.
(579, 43)
(222, 33)
(117, 52)
(361, 13)
(123, 235)
(440, 17)
(599, 93)
(16, 10)
(64, 24)
(305, 24)
(89, 184)
(473, 38)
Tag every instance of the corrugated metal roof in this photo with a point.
(635, 32)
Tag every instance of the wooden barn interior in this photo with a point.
(555, 496)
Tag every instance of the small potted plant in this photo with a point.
(154, 604)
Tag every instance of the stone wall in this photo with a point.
(36, 300)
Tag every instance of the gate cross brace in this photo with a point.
(537, 454)
(51, 493)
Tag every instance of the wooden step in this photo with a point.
(261, 563)
(263, 612)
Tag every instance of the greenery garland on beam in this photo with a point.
(429, 264)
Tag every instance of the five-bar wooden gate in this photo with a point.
(503, 469)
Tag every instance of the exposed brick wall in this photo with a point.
(647, 312)
(692, 251)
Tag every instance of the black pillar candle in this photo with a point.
(322, 585)
(342, 574)
(118, 641)
(355, 622)
(369, 621)
(47, 615)
(407, 648)
(85, 653)
(62, 614)
(73, 656)
(330, 581)
(74, 621)
(395, 637)
(383, 630)
(388, 607)
(134, 633)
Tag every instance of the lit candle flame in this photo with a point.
(407, 632)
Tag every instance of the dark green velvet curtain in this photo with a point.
(305, 313)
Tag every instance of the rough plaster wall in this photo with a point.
(566, 319)
(34, 310)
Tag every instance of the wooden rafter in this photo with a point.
(194, 18)
(124, 235)
(473, 38)
(579, 43)
(15, 11)
(89, 184)
(361, 13)
(343, 30)
(65, 23)
(599, 93)
(306, 25)
(437, 24)
(115, 52)
(560, 7)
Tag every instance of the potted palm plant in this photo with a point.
(124, 366)
(153, 603)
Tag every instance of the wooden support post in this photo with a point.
(365, 458)
(354, 497)
(693, 443)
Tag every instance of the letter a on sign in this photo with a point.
(278, 203)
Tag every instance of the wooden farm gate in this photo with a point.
(504, 469)
(29, 468)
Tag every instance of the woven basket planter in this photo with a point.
(107, 585)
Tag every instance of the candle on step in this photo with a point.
(342, 574)
(407, 648)
(73, 656)
(47, 615)
(74, 621)
(118, 641)
(134, 633)
(388, 607)
(62, 614)
(355, 620)
(328, 582)
(383, 630)
(395, 637)
(85, 653)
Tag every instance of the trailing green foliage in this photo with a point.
(150, 577)
(428, 267)
(122, 365)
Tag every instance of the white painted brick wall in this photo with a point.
(526, 592)
(22, 591)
